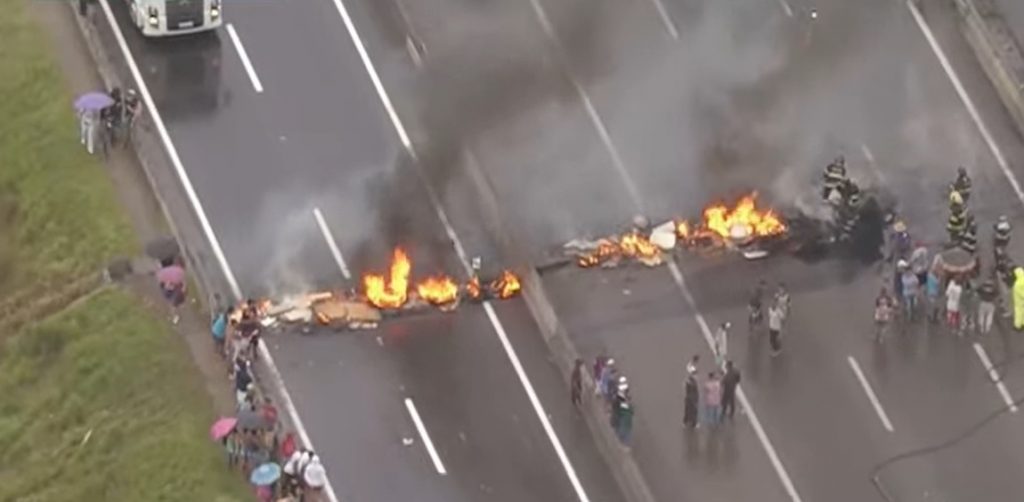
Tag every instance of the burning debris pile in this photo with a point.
(382, 294)
(742, 226)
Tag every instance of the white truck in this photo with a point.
(161, 18)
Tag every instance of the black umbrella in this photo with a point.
(163, 249)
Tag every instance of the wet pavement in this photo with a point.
(610, 117)
(1014, 13)
(755, 96)
(317, 137)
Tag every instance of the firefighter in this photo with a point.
(969, 238)
(1001, 233)
(834, 176)
(962, 184)
(956, 202)
(849, 211)
(957, 223)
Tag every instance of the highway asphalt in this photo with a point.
(682, 101)
(1014, 12)
(304, 131)
(757, 95)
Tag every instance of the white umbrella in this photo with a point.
(315, 475)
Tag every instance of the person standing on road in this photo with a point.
(576, 383)
(775, 318)
(883, 313)
(782, 300)
(690, 401)
(691, 365)
(933, 289)
(599, 363)
(911, 289)
(987, 297)
(1018, 298)
(755, 307)
(721, 344)
(624, 421)
(712, 399)
(953, 293)
(730, 381)
(919, 262)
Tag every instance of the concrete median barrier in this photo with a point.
(564, 354)
(998, 51)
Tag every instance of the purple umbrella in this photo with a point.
(92, 101)
(173, 275)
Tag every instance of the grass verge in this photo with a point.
(59, 214)
(100, 399)
(107, 370)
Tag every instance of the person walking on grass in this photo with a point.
(576, 383)
(730, 381)
(775, 318)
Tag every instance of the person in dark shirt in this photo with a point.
(730, 381)
(988, 294)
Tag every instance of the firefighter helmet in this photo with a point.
(955, 197)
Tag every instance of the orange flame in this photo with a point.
(742, 221)
(630, 245)
(473, 288)
(635, 245)
(683, 230)
(605, 250)
(391, 292)
(438, 290)
(506, 285)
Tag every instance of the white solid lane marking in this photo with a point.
(867, 153)
(871, 393)
(755, 422)
(435, 201)
(786, 8)
(872, 164)
(244, 56)
(666, 19)
(591, 110)
(204, 222)
(994, 375)
(422, 429)
(677, 275)
(331, 243)
(968, 102)
(371, 71)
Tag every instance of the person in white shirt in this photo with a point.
(721, 344)
(953, 293)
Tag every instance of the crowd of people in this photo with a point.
(105, 119)
(612, 389)
(258, 445)
(965, 295)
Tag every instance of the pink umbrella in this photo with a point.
(173, 275)
(222, 427)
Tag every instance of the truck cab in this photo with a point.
(162, 18)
